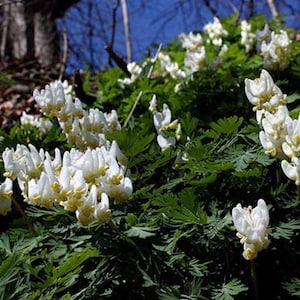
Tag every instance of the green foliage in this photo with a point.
(293, 287)
(229, 289)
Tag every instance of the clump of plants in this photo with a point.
(180, 181)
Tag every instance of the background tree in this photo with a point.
(29, 29)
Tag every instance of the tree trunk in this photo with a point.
(29, 29)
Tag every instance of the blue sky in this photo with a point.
(89, 25)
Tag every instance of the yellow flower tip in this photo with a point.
(102, 170)
(119, 196)
(116, 179)
(297, 138)
(249, 254)
(56, 187)
(104, 216)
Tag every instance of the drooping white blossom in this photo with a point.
(247, 37)
(292, 169)
(263, 93)
(274, 131)
(275, 52)
(73, 180)
(162, 123)
(5, 197)
(83, 128)
(291, 145)
(44, 125)
(251, 224)
(215, 32)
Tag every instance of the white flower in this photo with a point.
(164, 142)
(262, 35)
(102, 212)
(170, 68)
(223, 50)
(51, 99)
(263, 93)
(248, 38)
(112, 121)
(192, 41)
(85, 212)
(122, 191)
(153, 104)
(162, 122)
(292, 169)
(40, 192)
(135, 70)
(42, 124)
(251, 225)
(162, 119)
(215, 32)
(5, 197)
(274, 131)
(194, 60)
(291, 147)
(275, 53)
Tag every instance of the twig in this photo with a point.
(118, 60)
(113, 29)
(254, 279)
(65, 55)
(25, 218)
(273, 8)
(211, 8)
(126, 30)
(133, 108)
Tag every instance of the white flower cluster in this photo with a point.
(251, 225)
(135, 70)
(280, 136)
(275, 51)
(247, 37)
(195, 52)
(215, 32)
(82, 128)
(44, 125)
(162, 123)
(271, 112)
(171, 68)
(75, 180)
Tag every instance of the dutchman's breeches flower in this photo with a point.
(5, 197)
(251, 225)
(263, 93)
(291, 146)
(292, 169)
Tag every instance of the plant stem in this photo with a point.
(254, 279)
(22, 213)
(298, 193)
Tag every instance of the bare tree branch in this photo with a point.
(126, 30)
(65, 54)
(273, 8)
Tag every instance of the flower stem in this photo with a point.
(22, 213)
(254, 279)
(298, 193)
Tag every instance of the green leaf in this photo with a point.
(225, 126)
(232, 288)
(293, 287)
(285, 230)
(292, 98)
(141, 232)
